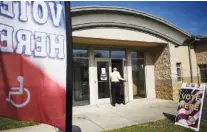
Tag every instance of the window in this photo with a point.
(101, 53)
(138, 74)
(80, 53)
(179, 68)
(139, 55)
(109, 53)
(203, 73)
(117, 54)
(80, 77)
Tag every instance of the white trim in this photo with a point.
(127, 10)
(173, 62)
(105, 100)
(149, 76)
(129, 70)
(91, 76)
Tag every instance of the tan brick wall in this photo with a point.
(176, 90)
(201, 53)
(164, 91)
(201, 58)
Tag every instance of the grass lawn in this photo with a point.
(6, 123)
(159, 126)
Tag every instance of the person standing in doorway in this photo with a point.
(115, 85)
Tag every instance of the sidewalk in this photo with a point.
(105, 117)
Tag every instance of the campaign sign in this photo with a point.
(33, 61)
(190, 106)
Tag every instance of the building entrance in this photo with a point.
(105, 60)
(121, 66)
(103, 71)
(103, 83)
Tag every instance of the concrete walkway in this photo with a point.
(105, 117)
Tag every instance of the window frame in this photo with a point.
(115, 50)
(75, 58)
(138, 57)
(81, 57)
(179, 77)
(101, 49)
(203, 69)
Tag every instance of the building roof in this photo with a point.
(196, 40)
(199, 36)
(95, 16)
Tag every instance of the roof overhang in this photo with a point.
(96, 17)
(97, 42)
(195, 40)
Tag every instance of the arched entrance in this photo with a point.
(110, 29)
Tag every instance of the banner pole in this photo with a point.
(69, 77)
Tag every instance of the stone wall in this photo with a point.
(201, 53)
(176, 91)
(177, 86)
(163, 80)
(167, 87)
(201, 58)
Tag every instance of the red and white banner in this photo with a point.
(33, 61)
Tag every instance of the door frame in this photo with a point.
(126, 83)
(105, 100)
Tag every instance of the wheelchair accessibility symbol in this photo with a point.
(19, 91)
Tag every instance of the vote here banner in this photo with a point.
(190, 107)
(33, 61)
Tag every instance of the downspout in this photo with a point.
(190, 61)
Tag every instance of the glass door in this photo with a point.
(103, 69)
(138, 74)
(141, 78)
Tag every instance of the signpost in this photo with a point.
(69, 77)
(190, 106)
(204, 111)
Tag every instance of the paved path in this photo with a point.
(105, 117)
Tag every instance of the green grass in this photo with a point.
(159, 126)
(6, 123)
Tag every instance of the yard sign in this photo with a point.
(190, 106)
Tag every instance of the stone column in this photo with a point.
(163, 73)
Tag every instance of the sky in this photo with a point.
(188, 16)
